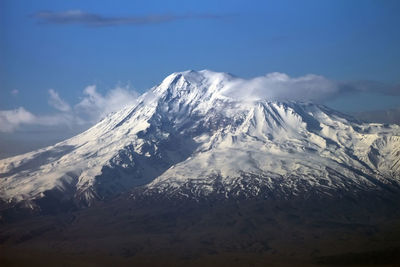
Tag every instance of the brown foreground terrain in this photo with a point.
(240, 232)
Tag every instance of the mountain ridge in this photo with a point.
(188, 135)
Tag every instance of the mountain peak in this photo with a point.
(190, 135)
(204, 77)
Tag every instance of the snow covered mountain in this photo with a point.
(188, 137)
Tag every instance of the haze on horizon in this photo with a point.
(66, 64)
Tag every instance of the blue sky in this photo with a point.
(135, 44)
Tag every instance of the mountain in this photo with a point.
(189, 137)
(193, 174)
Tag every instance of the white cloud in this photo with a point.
(92, 107)
(11, 119)
(95, 106)
(56, 102)
(279, 86)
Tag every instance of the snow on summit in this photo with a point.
(204, 132)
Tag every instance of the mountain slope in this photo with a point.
(188, 137)
(291, 148)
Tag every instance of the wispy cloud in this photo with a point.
(11, 119)
(56, 102)
(93, 105)
(97, 20)
(90, 109)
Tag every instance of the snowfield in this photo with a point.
(189, 136)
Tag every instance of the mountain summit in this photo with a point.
(192, 136)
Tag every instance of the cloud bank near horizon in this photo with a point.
(273, 86)
(80, 17)
(89, 110)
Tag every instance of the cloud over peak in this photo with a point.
(280, 86)
(94, 105)
(97, 20)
